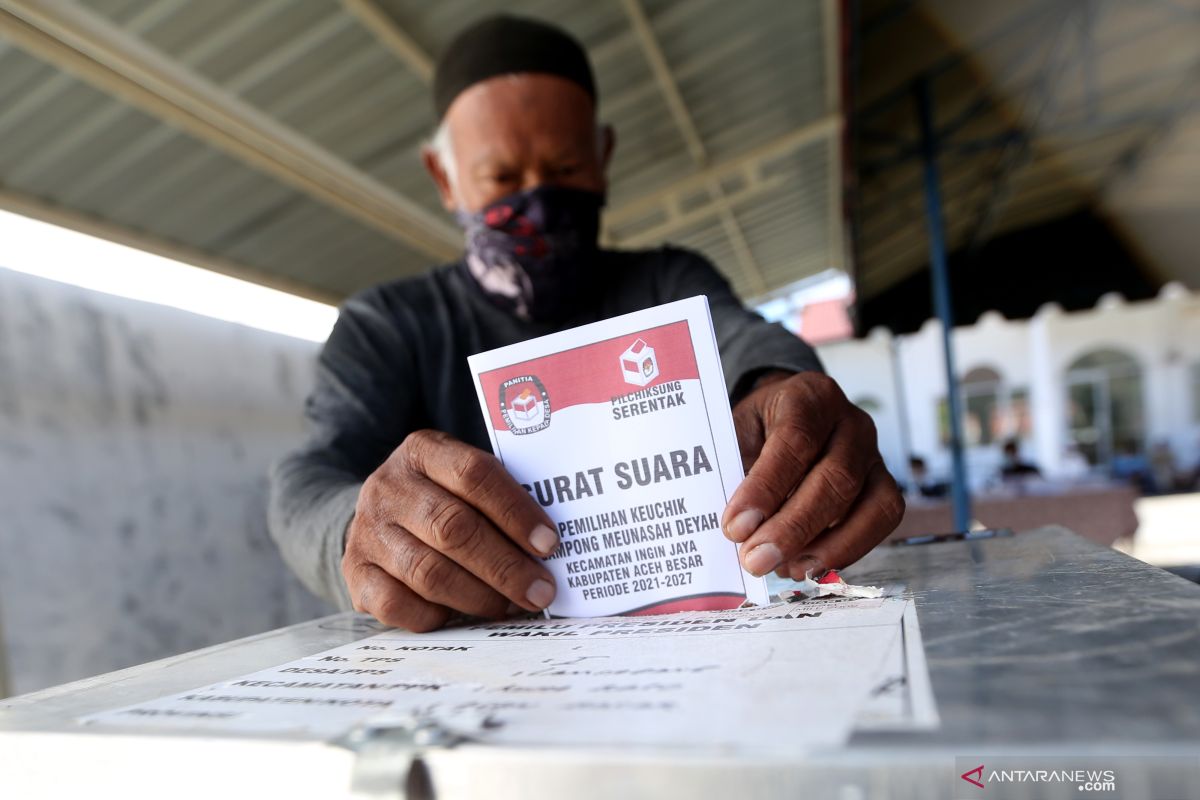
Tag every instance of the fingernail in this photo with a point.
(541, 593)
(543, 539)
(744, 524)
(806, 566)
(763, 559)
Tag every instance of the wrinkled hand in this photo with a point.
(817, 495)
(442, 527)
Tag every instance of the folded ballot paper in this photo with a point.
(622, 431)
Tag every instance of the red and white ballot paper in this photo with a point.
(622, 431)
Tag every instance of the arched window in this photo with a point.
(992, 411)
(1104, 405)
(982, 399)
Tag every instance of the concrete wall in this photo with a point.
(134, 441)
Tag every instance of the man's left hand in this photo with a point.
(817, 495)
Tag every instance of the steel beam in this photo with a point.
(940, 273)
(681, 220)
(392, 36)
(835, 178)
(781, 146)
(648, 42)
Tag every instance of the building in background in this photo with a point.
(1084, 394)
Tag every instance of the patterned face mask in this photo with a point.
(532, 252)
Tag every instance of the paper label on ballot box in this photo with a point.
(622, 431)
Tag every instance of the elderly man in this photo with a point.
(394, 506)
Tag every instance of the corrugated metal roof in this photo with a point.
(750, 74)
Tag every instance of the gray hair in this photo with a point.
(443, 150)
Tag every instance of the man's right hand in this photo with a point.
(442, 527)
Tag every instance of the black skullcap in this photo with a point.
(502, 45)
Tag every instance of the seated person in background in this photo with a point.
(1131, 466)
(395, 506)
(921, 485)
(1014, 468)
(1162, 468)
(1074, 465)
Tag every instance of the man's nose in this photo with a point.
(534, 177)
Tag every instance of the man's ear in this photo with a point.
(433, 165)
(608, 143)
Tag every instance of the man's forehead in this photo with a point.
(522, 95)
(502, 116)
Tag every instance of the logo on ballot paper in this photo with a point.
(524, 404)
(639, 365)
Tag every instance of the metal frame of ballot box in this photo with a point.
(1046, 653)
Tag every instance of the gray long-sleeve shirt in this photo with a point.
(396, 362)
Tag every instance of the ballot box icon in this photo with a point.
(527, 406)
(524, 404)
(639, 365)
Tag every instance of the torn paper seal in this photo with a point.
(830, 585)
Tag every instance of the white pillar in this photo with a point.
(1047, 393)
(1168, 401)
